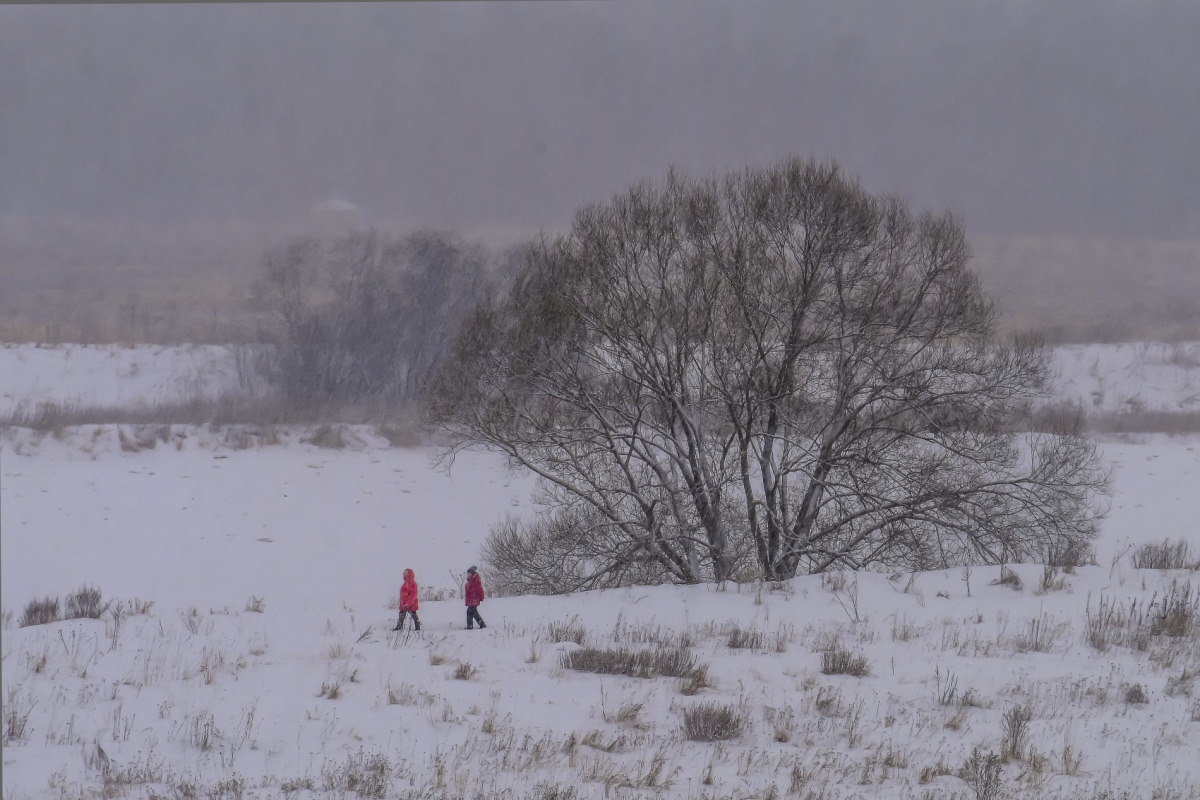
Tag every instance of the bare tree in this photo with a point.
(366, 317)
(562, 552)
(777, 365)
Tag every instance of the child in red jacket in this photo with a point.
(474, 596)
(408, 601)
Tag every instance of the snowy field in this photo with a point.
(115, 376)
(252, 656)
(1148, 376)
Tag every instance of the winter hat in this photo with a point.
(471, 568)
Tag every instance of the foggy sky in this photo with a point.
(1077, 117)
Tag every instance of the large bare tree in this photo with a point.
(775, 368)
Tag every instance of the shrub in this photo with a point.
(17, 708)
(1016, 729)
(572, 631)
(1110, 623)
(670, 662)
(933, 771)
(362, 774)
(84, 603)
(1039, 636)
(464, 672)
(983, 774)
(256, 605)
(332, 437)
(1166, 555)
(553, 791)
(1135, 694)
(712, 722)
(40, 612)
(839, 661)
(1177, 612)
(696, 682)
(744, 639)
(1008, 578)
(560, 553)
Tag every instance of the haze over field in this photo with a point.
(158, 150)
(1074, 118)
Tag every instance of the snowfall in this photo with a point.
(248, 650)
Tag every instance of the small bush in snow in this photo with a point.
(362, 774)
(712, 722)
(256, 605)
(745, 639)
(1166, 555)
(1135, 694)
(1176, 614)
(839, 661)
(137, 606)
(572, 631)
(17, 708)
(464, 672)
(983, 774)
(84, 603)
(191, 620)
(932, 772)
(1052, 581)
(626, 714)
(1016, 730)
(40, 612)
(553, 791)
(200, 731)
(1039, 636)
(1113, 623)
(652, 663)
(1008, 578)
(696, 682)
(291, 787)
(332, 437)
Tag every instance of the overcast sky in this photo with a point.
(1077, 117)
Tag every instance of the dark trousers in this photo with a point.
(473, 616)
(400, 622)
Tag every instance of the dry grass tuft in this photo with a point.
(839, 661)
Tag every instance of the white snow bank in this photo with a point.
(116, 375)
(1128, 377)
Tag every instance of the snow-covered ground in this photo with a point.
(1149, 376)
(266, 667)
(118, 376)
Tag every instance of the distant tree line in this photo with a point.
(366, 317)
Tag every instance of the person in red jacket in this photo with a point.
(408, 601)
(474, 596)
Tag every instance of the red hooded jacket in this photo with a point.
(408, 592)
(474, 589)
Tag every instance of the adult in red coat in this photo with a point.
(474, 596)
(408, 601)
